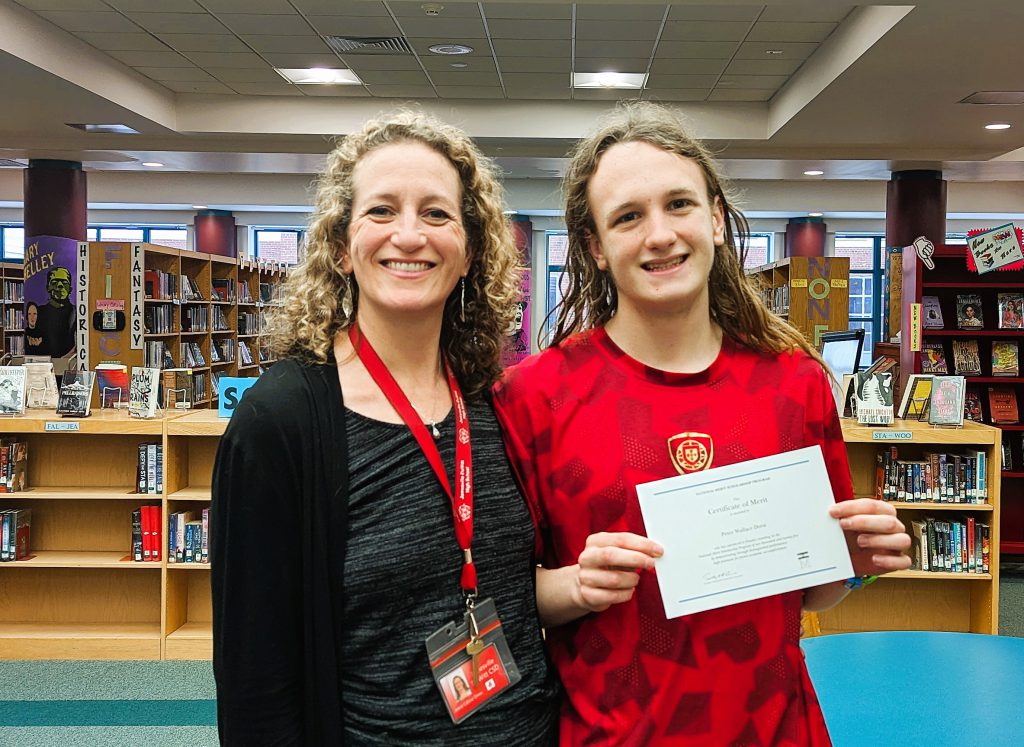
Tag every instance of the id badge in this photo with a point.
(452, 666)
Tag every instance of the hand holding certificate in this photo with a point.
(744, 531)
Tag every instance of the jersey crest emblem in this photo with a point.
(691, 452)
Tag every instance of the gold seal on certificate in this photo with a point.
(744, 531)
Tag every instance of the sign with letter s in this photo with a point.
(231, 390)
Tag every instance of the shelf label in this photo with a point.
(62, 425)
(838, 283)
(892, 435)
(915, 327)
(799, 282)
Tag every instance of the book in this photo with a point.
(931, 312)
(75, 398)
(1002, 405)
(966, 361)
(933, 358)
(17, 467)
(969, 311)
(12, 390)
(873, 398)
(112, 384)
(15, 533)
(1011, 310)
(40, 384)
(137, 535)
(1007, 455)
(176, 388)
(947, 405)
(143, 392)
(972, 406)
(1005, 358)
(916, 395)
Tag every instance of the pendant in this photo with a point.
(434, 431)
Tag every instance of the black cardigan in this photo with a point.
(278, 520)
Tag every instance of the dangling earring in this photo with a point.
(462, 285)
(346, 295)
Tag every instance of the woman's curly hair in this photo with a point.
(591, 298)
(320, 300)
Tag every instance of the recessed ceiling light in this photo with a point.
(152, 164)
(460, 65)
(813, 172)
(609, 80)
(432, 9)
(997, 126)
(319, 76)
(814, 215)
(200, 207)
(450, 49)
(773, 51)
(118, 129)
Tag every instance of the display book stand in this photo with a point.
(915, 599)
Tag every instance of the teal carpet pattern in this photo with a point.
(107, 704)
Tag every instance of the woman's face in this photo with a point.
(460, 687)
(32, 314)
(406, 242)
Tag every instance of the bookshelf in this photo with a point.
(923, 600)
(12, 303)
(812, 293)
(949, 278)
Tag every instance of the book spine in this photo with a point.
(147, 534)
(933, 544)
(179, 542)
(189, 541)
(158, 532)
(137, 536)
(971, 557)
(159, 469)
(985, 548)
(151, 469)
(172, 537)
(21, 529)
(206, 536)
(5, 535)
(982, 482)
(142, 468)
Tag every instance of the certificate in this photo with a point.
(744, 531)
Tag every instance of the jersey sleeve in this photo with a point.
(825, 430)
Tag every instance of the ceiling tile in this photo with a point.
(747, 13)
(474, 63)
(92, 22)
(273, 7)
(614, 49)
(661, 80)
(480, 47)
(245, 24)
(551, 11)
(310, 43)
(337, 92)
(604, 94)
(89, 5)
(618, 64)
(204, 42)
(167, 6)
(359, 8)
(403, 8)
(381, 62)
(277, 88)
(763, 67)
(461, 78)
(804, 12)
(182, 86)
(304, 59)
(676, 94)
(535, 65)
(527, 93)
(394, 77)
(689, 67)
(618, 30)
(227, 59)
(532, 48)
(791, 32)
(697, 50)
(465, 28)
(535, 80)
(400, 91)
(342, 26)
(178, 23)
(739, 94)
(193, 74)
(505, 28)
(789, 50)
(152, 59)
(137, 42)
(620, 12)
(706, 31)
(773, 82)
(470, 92)
(232, 75)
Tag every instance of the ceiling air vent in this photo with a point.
(6, 163)
(369, 45)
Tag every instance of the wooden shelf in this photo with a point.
(79, 640)
(101, 421)
(941, 506)
(188, 566)
(198, 423)
(968, 285)
(920, 432)
(940, 575)
(80, 559)
(972, 333)
(61, 493)
(199, 493)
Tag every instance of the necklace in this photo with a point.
(434, 431)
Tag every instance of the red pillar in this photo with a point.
(915, 205)
(805, 237)
(55, 199)
(215, 233)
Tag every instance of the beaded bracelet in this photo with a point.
(858, 581)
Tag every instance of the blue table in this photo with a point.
(910, 689)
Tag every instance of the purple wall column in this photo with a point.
(215, 233)
(805, 237)
(915, 205)
(55, 199)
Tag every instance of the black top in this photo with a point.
(280, 530)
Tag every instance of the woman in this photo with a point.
(33, 335)
(339, 550)
(664, 361)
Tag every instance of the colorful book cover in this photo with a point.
(916, 395)
(931, 312)
(1005, 358)
(969, 311)
(1011, 310)
(947, 405)
(933, 358)
(12, 390)
(972, 406)
(143, 392)
(75, 398)
(966, 361)
(112, 384)
(1002, 405)
(873, 398)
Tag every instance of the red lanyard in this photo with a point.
(462, 504)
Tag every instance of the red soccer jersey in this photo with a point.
(586, 423)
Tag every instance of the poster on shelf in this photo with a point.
(50, 293)
(995, 248)
(517, 340)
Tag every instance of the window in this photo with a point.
(277, 245)
(12, 242)
(118, 233)
(865, 253)
(175, 238)
(557, 251)
(759, 250)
